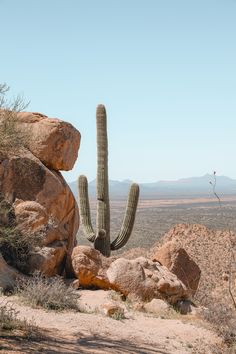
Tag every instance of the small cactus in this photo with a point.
(101, 238)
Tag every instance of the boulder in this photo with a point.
(43, 204)
(157, 306)
(143, 279)
(54, 142)
(49, 260)
(8, 275)
(139, 279)
(90, 266)
(176, 259)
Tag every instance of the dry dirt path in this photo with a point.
(70, 332)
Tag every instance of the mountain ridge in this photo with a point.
(183, 187)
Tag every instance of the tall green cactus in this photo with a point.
(101, 238)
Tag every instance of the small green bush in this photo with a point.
(49, 293)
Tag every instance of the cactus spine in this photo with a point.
(101, 238)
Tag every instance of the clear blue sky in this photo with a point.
(165, 69)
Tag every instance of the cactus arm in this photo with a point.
(85, 208)
(129, 218)
(103, 207)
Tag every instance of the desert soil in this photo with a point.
(91, 331)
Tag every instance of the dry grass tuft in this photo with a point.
(49, 293)
(118, 315)
(10, 322)
(223, 320)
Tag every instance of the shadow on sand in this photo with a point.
(80, 343)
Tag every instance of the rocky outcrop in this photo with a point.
(140, 279)
(176, 259)
(42, 201)
(211, 250)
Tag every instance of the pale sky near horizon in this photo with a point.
(165, 70)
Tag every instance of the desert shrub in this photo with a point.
(223, 320)
(49, 293)
(118, 315)
(8, 318)
(10, 136)
(13, 249)
(15, 246)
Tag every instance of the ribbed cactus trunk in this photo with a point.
(103, 208)
(101, 238)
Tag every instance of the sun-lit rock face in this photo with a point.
(177, 260)
(54, 142)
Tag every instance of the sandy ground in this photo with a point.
(92, 332)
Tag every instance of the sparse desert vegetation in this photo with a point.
(11, 138)
(15, 246)
(48, 293)
(11, 326)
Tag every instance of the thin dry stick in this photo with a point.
(232, 257)
(214, 191)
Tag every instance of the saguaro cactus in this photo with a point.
(101, 238)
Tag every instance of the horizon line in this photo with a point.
(157, 181)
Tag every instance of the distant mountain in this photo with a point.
(184, 187)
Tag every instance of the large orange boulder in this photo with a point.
(42, 202)
(54, 142)
(90, 267)
(145, 280)
(177, 260)
(140, 279)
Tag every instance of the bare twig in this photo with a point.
(214, 190)
(232, 257)
(230, 278)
